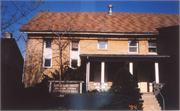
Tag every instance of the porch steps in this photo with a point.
(150, 102)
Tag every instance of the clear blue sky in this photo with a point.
(167, 7)
(171, 7)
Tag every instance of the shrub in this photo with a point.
(73, 74)
(125, 90)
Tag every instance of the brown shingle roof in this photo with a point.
(118, 22)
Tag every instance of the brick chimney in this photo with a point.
(110, 9)
(8, 35)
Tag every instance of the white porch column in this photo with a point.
(80, 87)
(157, 72)
(102, 71)
(87, 75)
(131, 67)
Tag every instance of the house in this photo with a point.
(101, 43)
(11, 72)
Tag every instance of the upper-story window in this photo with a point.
(48, 43)
(75, 45)
(102, 44)
(133, 46)
(152, 47)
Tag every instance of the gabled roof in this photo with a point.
(100, 22)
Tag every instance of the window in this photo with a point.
(152, 48)
(47, 63)
(102, 44)
(133, 46)
(48, 43)
(74, 63)
(75, 45)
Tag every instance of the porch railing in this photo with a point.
(99, 86)
(157, 88)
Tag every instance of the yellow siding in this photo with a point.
(34, 71)
(114, 47)
(143, 47)
(33, 62)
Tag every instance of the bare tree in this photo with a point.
(62, 41)
(61, 45)
(8, 19)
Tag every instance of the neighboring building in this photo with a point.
(169, 41)
(102, 43)
(11, 72)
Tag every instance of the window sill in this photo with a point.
(102, 49)
(46, 67)
(152, 54)
(133, 53)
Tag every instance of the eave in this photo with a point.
(93, 33)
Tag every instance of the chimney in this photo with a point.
(8, 35)
(110, 9)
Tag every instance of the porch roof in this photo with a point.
(123, 57)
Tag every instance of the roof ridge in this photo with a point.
(113, 12)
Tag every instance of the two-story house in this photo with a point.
(102, 43)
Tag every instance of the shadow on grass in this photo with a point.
(96, 101)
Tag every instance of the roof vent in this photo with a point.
(8, 35)
(110, 9)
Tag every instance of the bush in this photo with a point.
(125, 90)
(37, 97)
(73, 74)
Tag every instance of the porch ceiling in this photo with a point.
(121, 57)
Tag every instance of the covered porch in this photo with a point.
(101, 70)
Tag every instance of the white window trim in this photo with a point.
(71, 58)
(133, 46)
(153, 53)
(50, 48)
(106, 46)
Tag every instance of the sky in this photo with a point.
(153, 6)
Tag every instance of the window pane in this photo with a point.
(47, 62)
(152, 49)
(74, 63)
(75, 45)
(102, 44)
(132, 43)
(132, 49)
(48, 43)
(152, 43)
